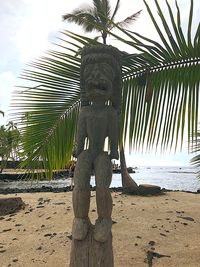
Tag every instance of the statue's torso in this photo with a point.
(97, 125)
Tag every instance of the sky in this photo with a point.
(28, 28)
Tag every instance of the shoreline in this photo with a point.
(162, 230)
(170, 180)
(49, 189)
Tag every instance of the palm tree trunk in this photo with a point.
(128, 184)
(104, 36)
(3, 164)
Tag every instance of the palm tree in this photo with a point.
(160, 90)
(99, 17)
(9, 140)
(13, 138)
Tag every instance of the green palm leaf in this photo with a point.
(49, 110)
(171, 74)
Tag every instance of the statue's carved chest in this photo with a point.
(97, 123)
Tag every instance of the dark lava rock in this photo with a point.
(34, 190)
(148, 189)
(10, 205)
(186, 218)
(152, 243)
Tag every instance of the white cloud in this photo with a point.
(40, 20)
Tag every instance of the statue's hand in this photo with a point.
(76, 153)
(114, 155)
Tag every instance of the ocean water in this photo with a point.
(173, 178)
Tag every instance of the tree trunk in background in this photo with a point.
(128, 184)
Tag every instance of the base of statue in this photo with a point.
(91, 253)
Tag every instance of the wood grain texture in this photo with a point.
(90, 253)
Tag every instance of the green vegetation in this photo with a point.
(9, 141)
(160, 92)
(99, 18)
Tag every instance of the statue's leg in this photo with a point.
(81, 196)
(103, 176)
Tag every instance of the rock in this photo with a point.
(162, 234)
(6, 230)
(186, 218)
(10, 205)
(198, 191)
(147, 189)
(152, 243)
(59, 203)
(47, 235)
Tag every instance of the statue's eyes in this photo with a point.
(107, 70)
(87, 70)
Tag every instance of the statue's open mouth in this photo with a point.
(100, 87)
(97, 86)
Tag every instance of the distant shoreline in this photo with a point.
(69, 189)
(170, 179)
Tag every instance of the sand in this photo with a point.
(147, 231)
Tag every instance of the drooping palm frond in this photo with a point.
(88, 19)
(128, 21)
(195, 148)
(115, 10)
(161, 95)
(2, 113)
(103, 11)
(47, 112)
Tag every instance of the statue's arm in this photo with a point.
(81, 133)
(114, 135)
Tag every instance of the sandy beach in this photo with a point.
(147, 231)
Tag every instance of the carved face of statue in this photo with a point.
(99, 78)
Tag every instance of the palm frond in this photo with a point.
(128, 21)
(86, 18)
(47, 113)
(106, 8)
(171, 73)
(195, 149)
(115, 10)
